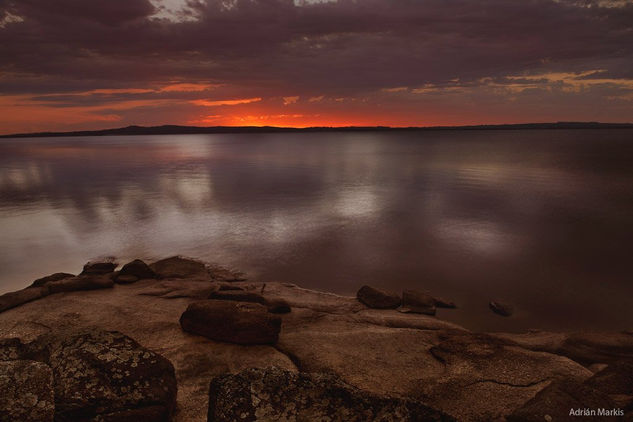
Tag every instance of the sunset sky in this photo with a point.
(78, 64)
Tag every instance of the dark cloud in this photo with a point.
(282, 47)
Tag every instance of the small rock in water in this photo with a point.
(97, 268)
(417, 302)
(232, 322)
(378, 298)
(138, 269)
(441, 303)
(500, 308)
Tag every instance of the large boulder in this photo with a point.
(232, 322)
(418, 302)
(81, 282)
(273, 394)
(179, 267)
(13, 299)
(378, 298)
(102, 374)
(26, 391)
(136, 268)
(53, 277)
(98, 268)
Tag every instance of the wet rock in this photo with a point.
(137, 268)
(98, 373)
(179, 267)
(81, 282)
(417, 302)
(13, 299)
(501, 308)
(232, 322)
(98, 268)
(274, 394)
(26, 391)
(126, 279)
(558, 399)
(378, 298)
(52, 277)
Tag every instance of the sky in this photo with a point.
(77, 64)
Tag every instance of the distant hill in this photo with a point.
(182, 130)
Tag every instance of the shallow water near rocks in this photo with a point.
(539, 219)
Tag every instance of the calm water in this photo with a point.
(541, 219)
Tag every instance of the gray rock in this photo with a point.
(179, 267)
(274, 394)
(52, 277)
(98, 374)
(557, 399)
(26, 391)
(378, 298)
(81, 282)
(501, 308)
(233, 322)
(13, 299)
(417, 302)
(98, 268)
(138, 269)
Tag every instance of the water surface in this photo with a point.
(542, 219)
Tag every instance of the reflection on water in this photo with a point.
(541, 219)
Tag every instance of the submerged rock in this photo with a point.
(417, 302)
(501, 308)
(102, 374)
(138, 269)
(442, 303)
(378, 298)
(274, 394)
(52, 277)
(13, 299)
(26, 391)
(97, 268)
(232, 322)
(179, 267)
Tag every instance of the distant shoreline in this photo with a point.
(198, 130)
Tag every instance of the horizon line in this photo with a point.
(172, 129)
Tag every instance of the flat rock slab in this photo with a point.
(273, 394)
(559, 399)
(81, 282)
(378, 298)
(26, 391)
(52, 277)
(233, 322)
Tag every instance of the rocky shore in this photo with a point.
(180, 340)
